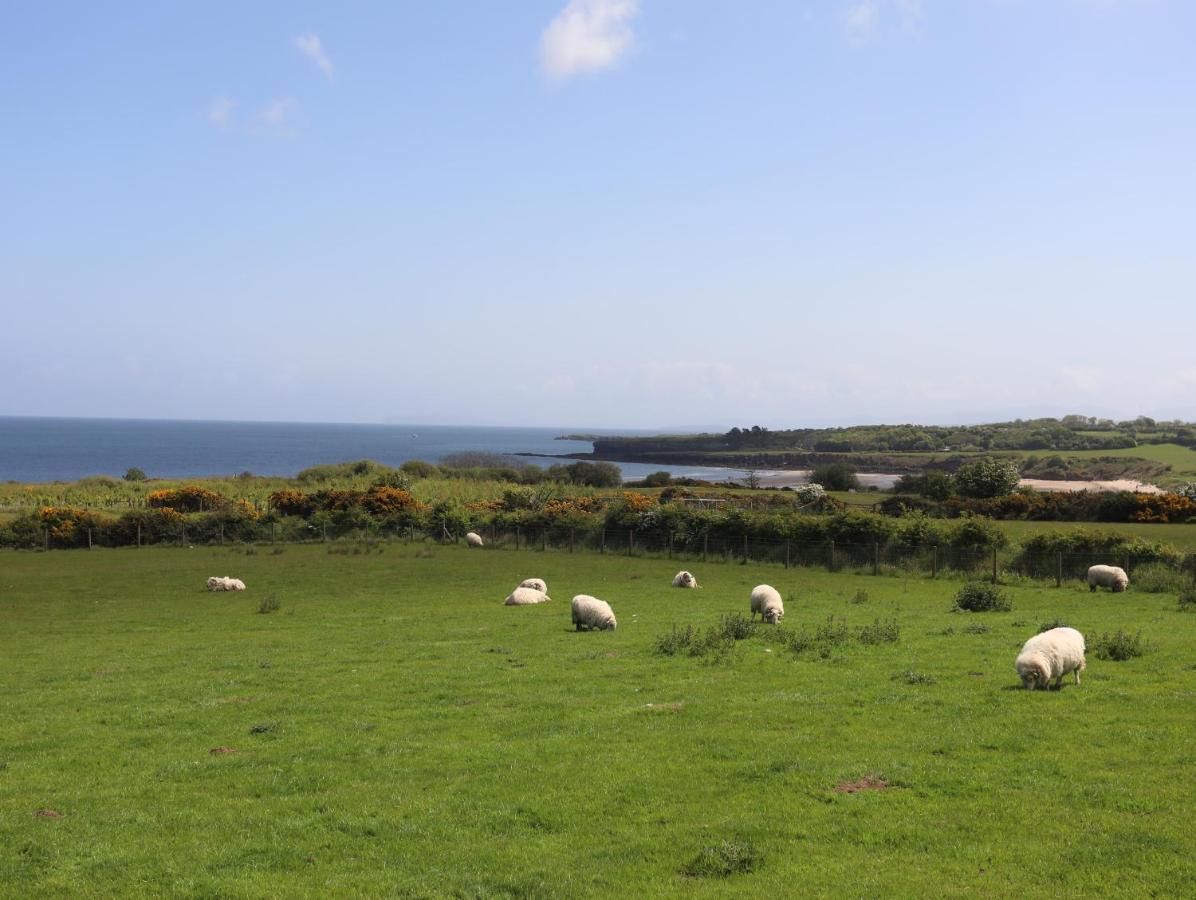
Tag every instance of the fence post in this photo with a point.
(670, 545)
(544, 541)
(1058, 568)
(221, 534)
(138, 535)
(411, 534)
(630, 540)
(183, 535)
(994, 565)
(46, 540)
(570, 540)
(602, 546)
(271, 532)
(831, 558)
(1127, 564)
(786, 554)
(745, 549)
(934, 561)
(324, 531)
(516, 537)
(875, 557)
(705, 546)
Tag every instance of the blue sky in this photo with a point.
(663, 213)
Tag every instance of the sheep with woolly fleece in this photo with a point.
(1112, 577)
(590, 613)
(525, 596)
(685, 579)
(767, 601)
(473, 539)
(536, 584)
(1051, 654)
(224, 583)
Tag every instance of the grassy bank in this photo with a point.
(392, 728)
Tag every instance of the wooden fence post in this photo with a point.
(670, 545)
(934, 561)
(516, 537)
(831, 558)
(875, 557)
(271, 532)
(630, 541)
(994, 565)
(1058, 568)
(544, 540)
(570, 540)
(221, 534)
(602, 546)
(46, 539)
(705, 546)
(786, 554)
(324, 531)
(88, 538)
(138, 535)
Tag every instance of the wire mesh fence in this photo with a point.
(719, 548)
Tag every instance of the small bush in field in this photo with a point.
(268, 604)
(724, 860)
(979, 596)
(1117, 647)
(1054, 623)
(860, 596)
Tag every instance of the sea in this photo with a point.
(59, 449)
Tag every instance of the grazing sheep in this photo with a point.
(525, 596)
(473, 539)
(684, 579)
(767, 602)
(218, 583)
(1112, 577)
(1051, 654)
(536, 584)
(590, 613)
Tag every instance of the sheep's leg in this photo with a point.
(1077, 676)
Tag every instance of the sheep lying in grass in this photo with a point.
(525, 596)
(767, 601)
(1112, 577)
(218, 583)
(590, 613)
(473, 539)
(536, 584)
(685, 579)
(1051, 654)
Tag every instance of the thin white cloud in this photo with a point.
(865, 21)
(587, 36)
(278, 117)
(220, 113)
(310, 45)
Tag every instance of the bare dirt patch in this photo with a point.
(220, 751)
(867, 783)
(48, 814)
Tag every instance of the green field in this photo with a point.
(1182, 537)
(397, 731)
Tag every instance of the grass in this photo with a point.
(1182, 537)
(393, 729)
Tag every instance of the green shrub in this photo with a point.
(135, 474)
(887, 632)
(723, 860)
(1158, 578)
(268, 604)
(1117, 647)
(838, 476)
(860, 596)
(1055, 623)
(1187, 599)
(979, 596)
(909, 676)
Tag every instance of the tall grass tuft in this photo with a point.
(723, 860)
(1118, 647)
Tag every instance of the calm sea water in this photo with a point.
(37, 449)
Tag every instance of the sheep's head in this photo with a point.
(773, 616)
(1035, 674)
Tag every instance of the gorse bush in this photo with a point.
(1117, 647)
(979, 596)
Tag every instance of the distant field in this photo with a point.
(1182, 537)
(393, 730)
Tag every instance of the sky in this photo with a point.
(617, 213)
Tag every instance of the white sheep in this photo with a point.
(1051, 654)
(224, 583)
(536, 584)
(767, 601)
(525, 596)
(685, 579)
(1112, 577)
(590, 613)
(473, 539)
